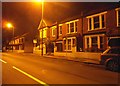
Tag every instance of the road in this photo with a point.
(25, 68)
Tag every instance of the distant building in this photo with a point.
(21, 43)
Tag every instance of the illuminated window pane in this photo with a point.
(60, 29)
(94, 42)
(96, 22)
(90, 27)
(69, 44)
(71, 27)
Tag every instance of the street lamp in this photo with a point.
(41, 23)
(10, 25)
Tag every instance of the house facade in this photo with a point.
(68, 36)
(98, 28)
(89, 32)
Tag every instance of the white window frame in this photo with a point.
(44, 32)
(100, 21)
(90, 40)
(71, 38)
(118, 22)
(68, 23)
(60, 25)
(53, 28)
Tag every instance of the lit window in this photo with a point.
(60, 30)
(96, 21)
(69, 44)
(53, 30)
(68, 28)
(94, 42)
(44, 31)
(72, 26)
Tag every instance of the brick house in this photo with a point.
(99, 27)
(87, 32)
(43, 39)
(68, 36)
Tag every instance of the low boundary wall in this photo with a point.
(79, 55)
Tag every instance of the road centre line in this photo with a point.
(30, 76)
(3, 61)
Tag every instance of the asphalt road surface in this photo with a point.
(25, 68)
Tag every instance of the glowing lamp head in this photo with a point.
(39, 0)
(9, 25)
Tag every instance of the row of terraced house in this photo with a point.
(87, 32)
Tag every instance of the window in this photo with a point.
(72, 26)
(118, 16)
(76, 26)
(103, 21)
(94, 42)
(53, 31)
(96, 21)
(68, 28)
(90, 22)
(44, 32)
(60, 30)
(69, 44)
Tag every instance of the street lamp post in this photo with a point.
(9, 25)
(41, 24)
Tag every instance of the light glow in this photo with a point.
(39, 0)
(9, 25)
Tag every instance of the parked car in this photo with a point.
(111, 58)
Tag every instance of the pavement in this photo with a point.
(82, 60)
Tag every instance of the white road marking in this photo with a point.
(30, 76)
(3, 61)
